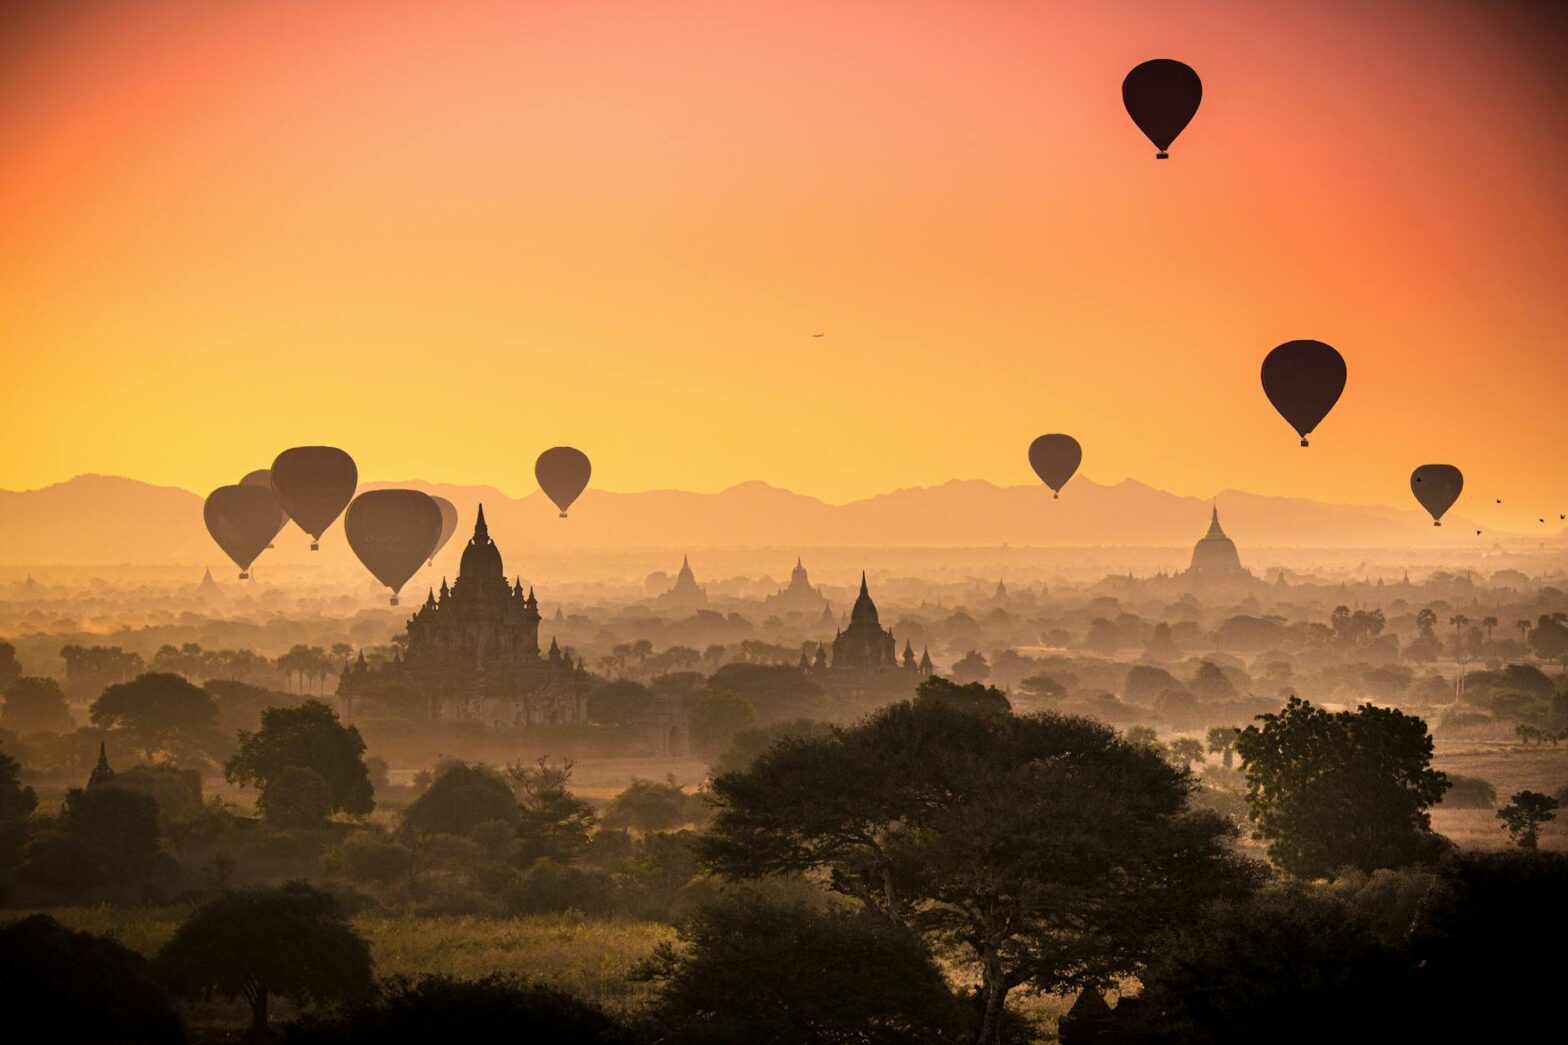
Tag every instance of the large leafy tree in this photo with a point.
(750, 969)
(159, 712)
(1333, 789)
(74, 986)
(311, 737)
(1042, 850)
(291, 941)
(35, 705)
(460, 798)
(10, 667)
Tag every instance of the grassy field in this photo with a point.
(1509, 767)
(590, 957)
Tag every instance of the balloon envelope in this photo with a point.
(242, 519)
(393, 532)
(1303, 379)
(1162, 96)
(263, 477)
(563, 473)
(448, 523)
(314, 484)
(1055, 458)
(1437, 487)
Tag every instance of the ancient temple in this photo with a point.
(685, 595)
(799, 597)
(866, 666)
(1214, 557)
(865, 643)
(473, 654)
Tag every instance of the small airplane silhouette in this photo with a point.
(816, 335)
(1478, 533)
(1499, 500)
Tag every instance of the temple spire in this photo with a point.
(863, 589)
(481, 531)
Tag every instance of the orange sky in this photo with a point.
(445, 235)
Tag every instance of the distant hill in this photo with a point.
(95, 519)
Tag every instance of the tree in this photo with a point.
(1040, 850)
(974, 697)
(1184, 751)
(159, 712)
(971, 667)
(780, 973)
(75, 986)
(1328, 790)
(36, 705)
(715, 719)
(552, 822)
(16, 800)
(748, 743)
(1212, 684)
(10, 667)
(296, 797)
(619, 702)
(292, 941)
(16, 805)
(1293, 964)
(648, 806)
(495, 1008)
(88, 670)
(773, 692)
(1549, 638)
(1146, 683)
(1222, 742)
(309, 736)
(1043, 687)
(1524, 814)
(104, 836)
(460, 798)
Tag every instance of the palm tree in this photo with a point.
(1524, 628)
(1488, 623)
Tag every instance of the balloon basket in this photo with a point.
(1056, 497)
(244, 576)
(563, 515)
(314, 546)
(394, 600)
(1162, 155)
(1303, 441)
(1436, 523)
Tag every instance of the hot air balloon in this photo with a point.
(263, 477)
(1303, 379)
(242, 519)
(1437, 487)
(1162, 96)
(392, 532)
(563, 473)
(448, 524)
(314, 484)
(1055, 458)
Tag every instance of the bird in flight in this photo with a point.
(816, 334)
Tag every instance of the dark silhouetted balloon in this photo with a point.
(393, 532)
(448, 524)
(1437, 487)
(1162, 96)
(263, 477)
(242, 519)
(563, 473)
(314, 484)
(1055, 458)
(1303, 379)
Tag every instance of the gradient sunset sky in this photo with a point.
(446, 235)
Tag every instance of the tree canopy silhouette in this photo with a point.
(1042, 849)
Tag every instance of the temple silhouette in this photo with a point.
(473, 654)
